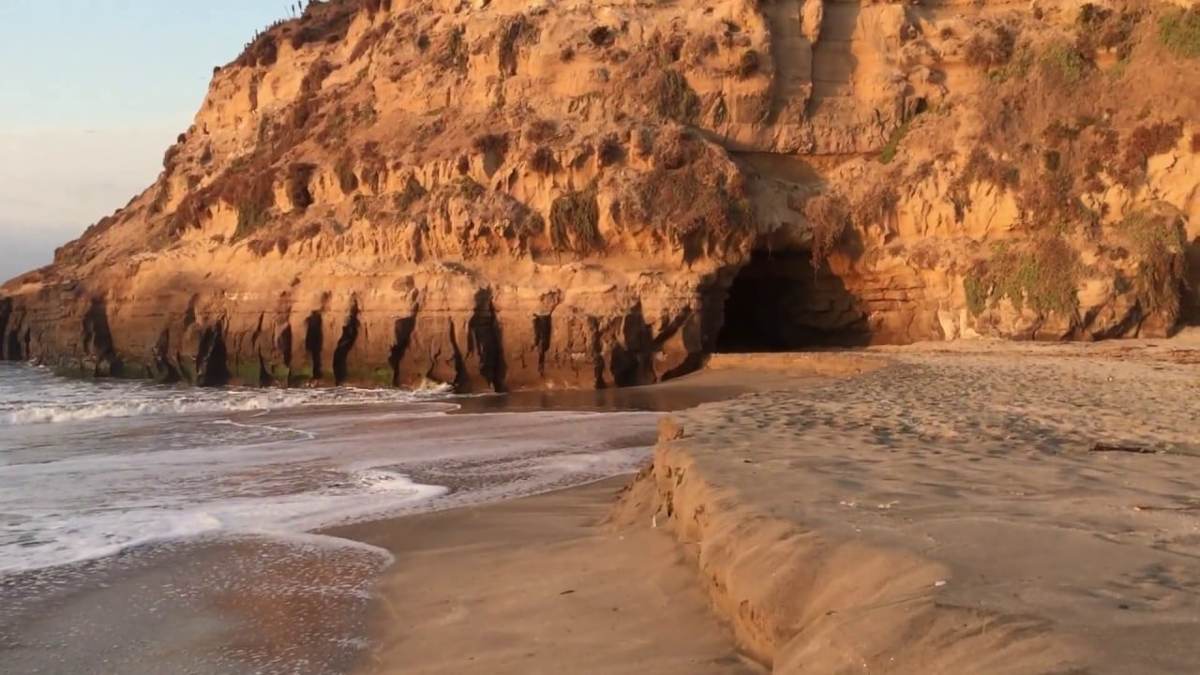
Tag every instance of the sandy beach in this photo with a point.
(964, 508)
(539, 585)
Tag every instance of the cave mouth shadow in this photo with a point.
(777, 304)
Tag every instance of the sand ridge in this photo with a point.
(947, 513)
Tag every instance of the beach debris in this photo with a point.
(1135, 449)
(654, 522)
(939, 583)
(568, 592)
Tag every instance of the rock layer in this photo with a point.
(578, 194)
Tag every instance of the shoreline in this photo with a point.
(942, 570)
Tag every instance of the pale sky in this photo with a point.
(93, 92)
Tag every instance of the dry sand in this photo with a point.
(948, 512)
(967, 508)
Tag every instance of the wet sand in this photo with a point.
(538, 585)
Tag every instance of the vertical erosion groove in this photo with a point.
(5, 313)
(483, 340)
(314, 338)
(403, 337)
(542, 330)
(212, 368)
(345, 343)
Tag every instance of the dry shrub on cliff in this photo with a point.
(413, 191)
(373, 167)
(253, 200)
(263, 51)
(326, 22)
(677, 148)
(876, 203)
(1065, 63)
(828, 216)
(298, 178)
(602, 36)
(672, 97)
(369, 40)
(1103, 28)
(450, 52)
(541, 130)
(1179, 31)
(1145, 142)
(515, 32)
(609, 150)
(991, 46)
(575, 222)
(495, 145)
(981, 167)
(344, 168)
(543, 161)
(1052, 200)
(748, 65)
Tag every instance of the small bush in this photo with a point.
(516, 31)
(575, 222)
(324, 23)
(541, 130)
(493, 144)
(602, 36)
(1045, 277)
(1157, 237)
(543, 161)
(253, 202)
(1067, 63)
(1143, 143)
(451, 53)
(413, 191)
(609, 150)
(748, 64)
(875, 203)
(1179, 32)
(981, 167)
(828, 216)
(893, 145)
(674, 98)
(977, 293)
(1099, 27)
(990, 47)
(298, 178)
(347, 179)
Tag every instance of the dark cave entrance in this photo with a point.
(777, 304)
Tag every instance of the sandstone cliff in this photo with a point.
(502, 194)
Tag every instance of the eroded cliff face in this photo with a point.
(506, 195)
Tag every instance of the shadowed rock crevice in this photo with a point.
(163, 368)
(98, 341)
(484, 342)
(543, 327)
(314, 342)
(212, 367)
(402, 332)
(5, 314)
(345, 343)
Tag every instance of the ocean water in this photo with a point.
(194, 514)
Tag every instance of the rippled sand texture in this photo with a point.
(1047, 494)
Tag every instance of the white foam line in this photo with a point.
(281, 430)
